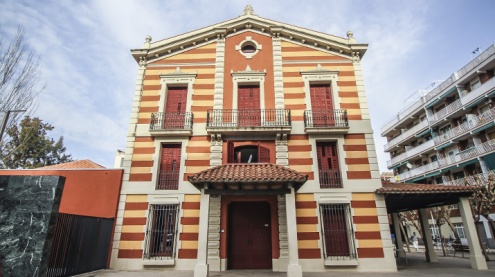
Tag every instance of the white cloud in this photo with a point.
(91, 74)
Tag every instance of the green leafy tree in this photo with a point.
(30, 147)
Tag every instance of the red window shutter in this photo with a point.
(168, 177)
(230, 152)
(263, 154)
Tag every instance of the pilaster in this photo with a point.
(277, 72)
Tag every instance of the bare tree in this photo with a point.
(482, 202)
(19, 77)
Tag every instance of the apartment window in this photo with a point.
(459, 229)
(247, 153)
(161, 231)
(338, 234)
(434, 231)
(322, 111)
(328, 165)
(168, 176)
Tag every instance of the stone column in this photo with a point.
(201, 268)
(431, 255)
(294, 269)
(398, 235)
(475, 255)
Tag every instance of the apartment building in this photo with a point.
(250, 147)
(448, 133)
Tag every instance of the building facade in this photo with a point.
(448, 133)
(250, 147)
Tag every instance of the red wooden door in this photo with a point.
(248, 105)
(249, 237)
(169, 167)
(322, 105)
(175, 108)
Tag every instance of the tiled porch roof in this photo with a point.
(79, 164)
(398, 188)
(249, 173)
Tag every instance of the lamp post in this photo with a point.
(5, 119)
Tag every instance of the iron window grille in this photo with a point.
(161, 232)
(338, 233)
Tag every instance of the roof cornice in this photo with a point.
(345, 47)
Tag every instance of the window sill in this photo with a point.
(353, 262)
(158, 262)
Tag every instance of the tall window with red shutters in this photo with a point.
(328, 165)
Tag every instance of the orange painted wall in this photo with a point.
(235, 62)
(89, 192)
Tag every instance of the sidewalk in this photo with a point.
(417, 266)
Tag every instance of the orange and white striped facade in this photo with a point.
(283, 61)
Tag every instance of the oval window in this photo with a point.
(248, 49)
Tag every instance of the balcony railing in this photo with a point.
(411, 153)
(470, 180)
(171, 121)
(407, 134)
(471, 125)
(326, 119)
(168, 180)
(330, 178)
(443, 113)
(450, 160)
(248, 118)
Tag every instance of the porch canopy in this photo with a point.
(406, 197)
(248, 179)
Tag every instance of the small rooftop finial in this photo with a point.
(350, 35)
(248, 10)
(147, 39)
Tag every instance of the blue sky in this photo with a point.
(90, 74)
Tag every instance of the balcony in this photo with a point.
(233, 121)
(168, 180)
(446, 162)
(471, 180)
(411, 153)
(326, 122)
(479, 94)
(171, 124)
(475, 125)
(408, 134)
(445, 112)
(330, 178)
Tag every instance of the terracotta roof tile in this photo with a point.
(74, 165)
(398, 188)
(259, 172)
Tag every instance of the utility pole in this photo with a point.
(5, 120)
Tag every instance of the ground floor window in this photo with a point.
(161, 231)
(338, 234)
(459, 229)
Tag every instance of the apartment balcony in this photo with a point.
(406, 136)
(406, 114)
(446, 112)
(480, 94)
(233, 121)
(413, 152)
(326, 122)
(168, 180)
(472, 180)
(481, 122)
(446, 162)
(171, 124)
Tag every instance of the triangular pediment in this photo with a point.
(248, 21)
